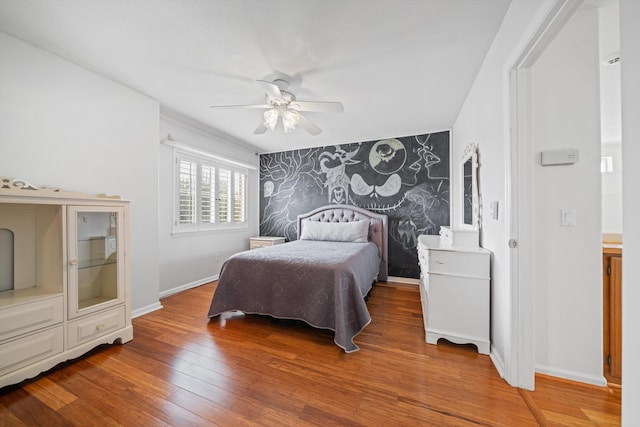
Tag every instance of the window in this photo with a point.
(210, 194)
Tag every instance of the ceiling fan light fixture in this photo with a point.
(271, 119)
(279, 102)
(290, 120)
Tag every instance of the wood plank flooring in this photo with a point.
(180, 369)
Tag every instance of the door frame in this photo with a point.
(520, 358)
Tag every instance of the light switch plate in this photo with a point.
(568, 217)
(494, 210)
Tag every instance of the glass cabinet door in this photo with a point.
(96, 258)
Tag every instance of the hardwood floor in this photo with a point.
(180, 369)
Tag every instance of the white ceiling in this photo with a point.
(400, 67)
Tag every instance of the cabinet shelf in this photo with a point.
(26, 295)
(91, 263)
(92, 302)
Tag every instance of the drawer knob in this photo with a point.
(100, 326)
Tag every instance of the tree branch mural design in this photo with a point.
(406, 178)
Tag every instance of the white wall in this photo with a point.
(187, 261)
(609, 45)
(64, 126)
(612, 190)
(609, 35)
(630, 70)
(568, 259)
(483, 119)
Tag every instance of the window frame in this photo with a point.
(200, 227)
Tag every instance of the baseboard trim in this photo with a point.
(596, 380)
(498, 363)
(404, 280)
(181, 288)
(157, 305)
(147, 309)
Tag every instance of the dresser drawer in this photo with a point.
(467, 264)
(25, 318)
(264, 241)
(255, 244)
(95, 326)
(457, 237)
(30, 349)
(459, 306)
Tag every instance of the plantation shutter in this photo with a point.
(207, 194)
(224, 195)
(187, 185)
(239, 197)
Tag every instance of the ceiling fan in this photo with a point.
(282, 103)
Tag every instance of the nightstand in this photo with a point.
(264, 241)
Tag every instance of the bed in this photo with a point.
(322, 278)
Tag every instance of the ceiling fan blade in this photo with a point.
(260, 129)
(308, 125)
(265, 106)
(272, 90)
(319, 106)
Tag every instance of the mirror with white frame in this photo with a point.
(469, 179)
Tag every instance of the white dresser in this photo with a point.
(454, 290)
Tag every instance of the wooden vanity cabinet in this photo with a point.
(612, 312)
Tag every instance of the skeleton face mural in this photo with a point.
(403, 178)
(387, 156)
(396, 179)
(387, 172)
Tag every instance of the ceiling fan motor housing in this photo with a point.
(285, 95)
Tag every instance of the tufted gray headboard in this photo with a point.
(378, 228)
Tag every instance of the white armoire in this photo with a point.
(64, 276)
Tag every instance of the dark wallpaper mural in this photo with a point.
(406, 178)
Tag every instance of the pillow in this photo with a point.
(355, 231)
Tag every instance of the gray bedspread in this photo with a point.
(321, 283)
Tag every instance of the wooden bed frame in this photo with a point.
(378, 230)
